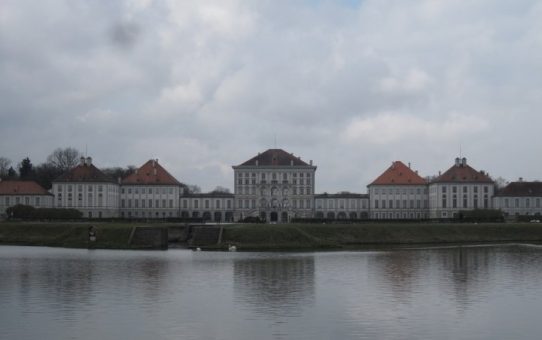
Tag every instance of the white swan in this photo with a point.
(232, 248)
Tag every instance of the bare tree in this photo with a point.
(220, 189)
(4, 167)
(64, 159)
(500, 182)
(193, 189)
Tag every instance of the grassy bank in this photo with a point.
(280, 236)
(337, 236)
(69, 235)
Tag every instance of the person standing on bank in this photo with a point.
(91, 235)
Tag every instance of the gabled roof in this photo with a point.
(463, 173)
(399, 174)
(519, 189)
(150, 173)
(275, 157)
(85, 173)
(22, 188)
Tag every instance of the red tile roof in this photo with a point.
(399, 174)
(275, 157)
(22, 188)
(85, 173)
(463, 173)
(519, 189)
(151, 173)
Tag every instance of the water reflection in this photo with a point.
(281, 286)
(454, 292)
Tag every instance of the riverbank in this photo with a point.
(345, 236)
(266, 237)
(70, 235)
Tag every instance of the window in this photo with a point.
(163, 204)
(7, 200)
(122, 203)
(443, 189)
(217, 204)
(527, 203)
(454, 202)
(383, 204)
(206, 204)
(136, 203)
(143, 203)
(454, 189)
(196, 204)
(150, 203)
(376, 204)
(517, 202)
(486, 189)
(37, 201)
(185, 204)
(229, 204)
(506, 202)
(170, 204)
(465, 201)
(475, 189)
(444, 202)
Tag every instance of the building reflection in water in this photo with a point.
(274, 286)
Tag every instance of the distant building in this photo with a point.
(398, 193)
(87, 189)
(150, 192)
(213, 206)
(341, 206)
(274, 185)
(520, 199)
(460, 188)
(14, 192)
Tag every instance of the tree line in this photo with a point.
(60, 161)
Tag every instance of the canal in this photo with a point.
(474, 292)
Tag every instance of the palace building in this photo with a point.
(276, 186)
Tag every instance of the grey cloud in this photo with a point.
(203, 84)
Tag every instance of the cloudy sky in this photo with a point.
(203, 85)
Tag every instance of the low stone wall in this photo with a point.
(149, 238)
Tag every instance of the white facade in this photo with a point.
(149, 201)
(94, 200)
(520, 199)
(341, 206)
(216, 207)
(88, 190)
(460, 188)
(276, 186)
(36, 201)
(399, 202)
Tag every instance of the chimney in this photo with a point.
(457, 161)
(409, 165)
(153, 165)
(82, 160)
(310, 162)
(439, 172)
(464, 161)
(521, 179)
(89, 160)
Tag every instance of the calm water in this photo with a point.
(491, 292)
